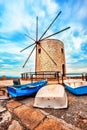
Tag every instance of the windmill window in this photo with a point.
(39, 50)
(62, 50)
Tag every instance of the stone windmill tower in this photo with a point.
(50, 54)
(53, 59)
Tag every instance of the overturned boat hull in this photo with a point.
(51, 96)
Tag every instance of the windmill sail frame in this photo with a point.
(42, 38)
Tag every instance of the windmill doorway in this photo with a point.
(63, 69)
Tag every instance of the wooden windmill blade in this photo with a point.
(37, 41)
(55, 33)
(29, 56)
(37, 28)
(28, 46)
(48, 55)
(29, 37)
(50, 25)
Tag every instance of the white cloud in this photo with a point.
(15, 72)
(15, 17)
(82, 13)
(76, 70)
(11, 48)
(51, 6)
(7, 66)
(1, 60)
(21, 16)
(76, 67)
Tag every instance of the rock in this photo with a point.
(1, 93)
(63, 125)
(5, 117)
(15, 126)
(82, 120)
(2, 109)
(50, 124)
(82, 115)
(29, 116)
(12, 104)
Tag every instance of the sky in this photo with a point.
(18, 17)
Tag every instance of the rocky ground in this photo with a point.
(20, 115)
(76, 113)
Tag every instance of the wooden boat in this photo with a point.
(51, 96)
(26, 89)
(76, 87)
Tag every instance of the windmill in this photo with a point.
(37, 41)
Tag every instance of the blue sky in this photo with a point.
(18, 17)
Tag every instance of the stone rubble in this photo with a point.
(2, 109)
(22, 117)
(15, 126)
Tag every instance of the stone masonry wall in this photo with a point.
(55, 50)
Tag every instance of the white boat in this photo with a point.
(77, 87)
(51, 96)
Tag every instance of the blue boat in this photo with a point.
(26, 89)
(76, 87)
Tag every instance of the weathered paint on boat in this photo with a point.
(51, 96)
(76, 87)
(26, 89)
